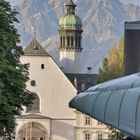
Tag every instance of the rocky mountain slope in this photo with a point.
(103, 24)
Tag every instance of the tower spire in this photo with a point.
(34, 34)
(71, 7)
(70, 40)
(71, 1)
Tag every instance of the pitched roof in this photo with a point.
(133, 22)
(87, 79)
(35, 49)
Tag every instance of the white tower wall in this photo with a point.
(70, 61)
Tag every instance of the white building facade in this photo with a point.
(88, 128)
(50, 118)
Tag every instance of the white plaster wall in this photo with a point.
(94, 128)
(56, 129)
(44, 122)
(63, 130)
(54, 89)
(71, 61)
(63, 56)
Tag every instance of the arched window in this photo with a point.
(35, 107)
(76, 43)
(68, 41)
(79, 41)
(63, 41)
(72, 41)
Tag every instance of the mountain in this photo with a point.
(103, 24)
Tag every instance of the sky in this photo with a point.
(16, 2)
(131, 1)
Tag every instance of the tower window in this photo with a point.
(68, 41)
(42, 66)
(35, 107)
(71, 40)
(79, 42)
(68, 10)
(76, 44)
(63, 41)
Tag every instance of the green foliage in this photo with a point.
(114, 134)
(113, 67)
(13, 74)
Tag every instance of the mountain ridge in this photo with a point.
(103, 22)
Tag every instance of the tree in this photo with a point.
(113, 67)
(13, 74)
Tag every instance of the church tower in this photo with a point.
(70, 40)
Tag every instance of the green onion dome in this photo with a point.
(70, 21)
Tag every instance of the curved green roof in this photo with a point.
(70, 21)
